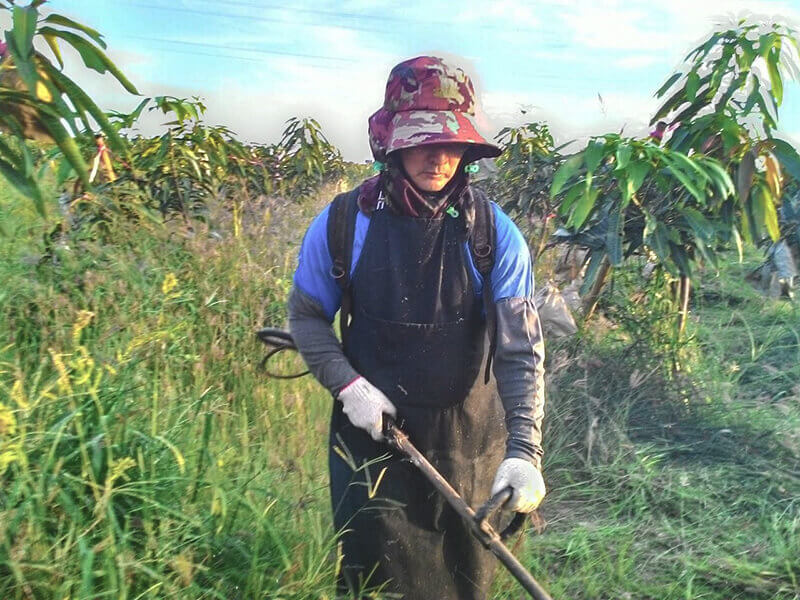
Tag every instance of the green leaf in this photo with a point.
(766, 114)
(681, 140)
(774, 74)
(765, 43)
(699, 53)
(637, 171)
(24, 28)
(752, 99)
(594, 154)
(744, 176)
(583, 208)
(745, 61)
(701, 247)
(680, 258)
(567, 169)
(668, 84)
(79, 97)
(624, 152)
(738, 239)
(692, 85)
(93, 57)
(569, 199)
(24, 65)
(68, 146)
(765, 214)
(720, 177)
(698, 223)
(677, 100)
(787, 154)
(614, 236)
(66, 22)
(649, 224)
(625, 186)
(53, 43)
(25, 186)
(658, 241)
(689, 164)
(686, 180)
(64, 172)
(737, 84)
(722, 67)
(595, 262)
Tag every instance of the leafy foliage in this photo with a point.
(173, 173)
(306, 157)
(675, 199)
(525, 172)
(631, 196)
(38, 101)
(726, 106)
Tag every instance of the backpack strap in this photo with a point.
(341, 229)
(483, 247)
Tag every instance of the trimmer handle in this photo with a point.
(496, 503)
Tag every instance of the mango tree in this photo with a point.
(674, 199)
(306, 157)
(525, 173)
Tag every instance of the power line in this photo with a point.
(417, 23)
(243, 49)
(527, 76)
(373, 17)
(208, 13)
(225, 56)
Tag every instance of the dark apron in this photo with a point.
(417, 333)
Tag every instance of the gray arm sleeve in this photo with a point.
(314, 337)
(519, 371)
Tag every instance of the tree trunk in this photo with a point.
(591, 299)
(685, 287)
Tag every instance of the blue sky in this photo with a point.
(586, 67)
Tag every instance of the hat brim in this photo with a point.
(422, 127)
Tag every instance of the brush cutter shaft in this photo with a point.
(481, 527)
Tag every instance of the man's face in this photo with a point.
(431, 166)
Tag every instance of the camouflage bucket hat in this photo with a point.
(427, 102)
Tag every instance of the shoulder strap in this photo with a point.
(483, 236)
(483, 247)
(341, 229)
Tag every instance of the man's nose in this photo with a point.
(437, 155)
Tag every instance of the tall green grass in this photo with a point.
(149, 457)
(145, 455)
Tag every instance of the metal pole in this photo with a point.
(485, 532)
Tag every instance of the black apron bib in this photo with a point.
(417, 333)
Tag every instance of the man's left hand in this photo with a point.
(526, 481)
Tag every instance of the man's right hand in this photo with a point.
(365, 405)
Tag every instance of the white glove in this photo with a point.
(365, 405)
(526, 481)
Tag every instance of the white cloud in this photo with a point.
(614, 25)
(674, 25)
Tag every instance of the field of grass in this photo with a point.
(143, 454)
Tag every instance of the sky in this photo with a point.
(584, 67)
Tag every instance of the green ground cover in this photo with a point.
(145, 456)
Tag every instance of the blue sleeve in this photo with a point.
(313, 275)
(512, 275)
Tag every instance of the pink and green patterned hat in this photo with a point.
(427, 102)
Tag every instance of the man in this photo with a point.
(415, 306)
